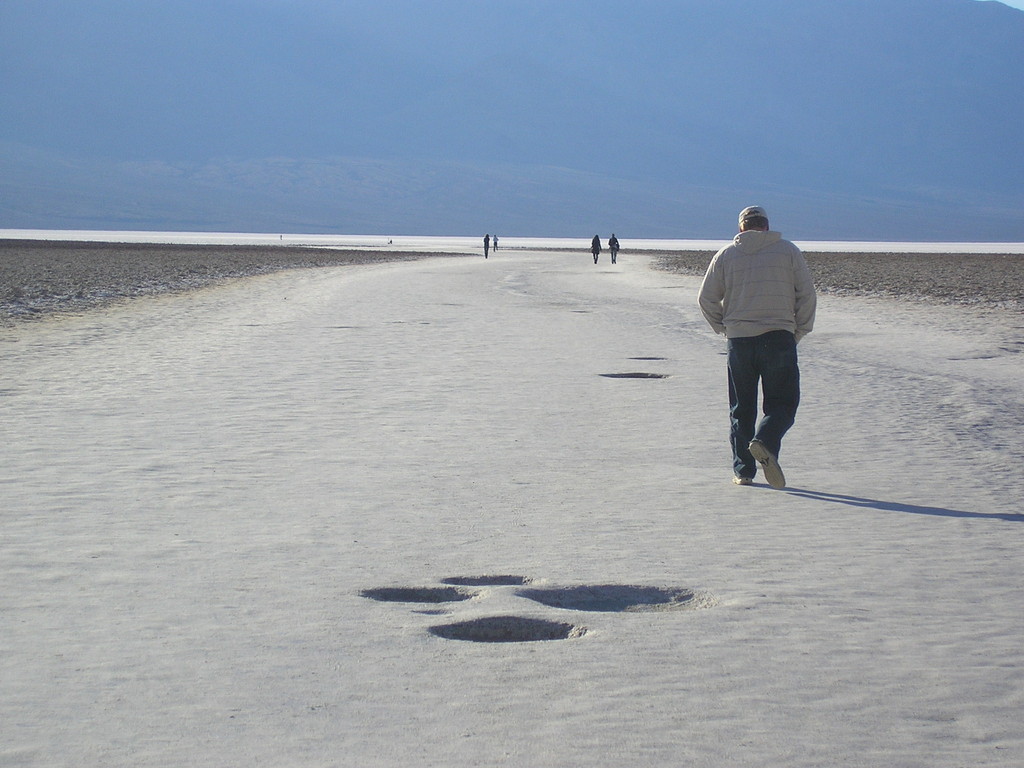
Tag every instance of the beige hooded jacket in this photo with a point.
(758, 284)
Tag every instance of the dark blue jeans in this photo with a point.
(768, 359)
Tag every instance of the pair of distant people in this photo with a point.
(613, 247)
(488, 241)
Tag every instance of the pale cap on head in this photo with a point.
(752, 212)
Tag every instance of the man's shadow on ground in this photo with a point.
(891, 506)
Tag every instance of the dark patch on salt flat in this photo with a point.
(635, 375)
(488, 581)
(612, 598)
(417, 594)
(508, 629)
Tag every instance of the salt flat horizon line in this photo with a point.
(469, 244)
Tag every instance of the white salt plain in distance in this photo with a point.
(474, 244)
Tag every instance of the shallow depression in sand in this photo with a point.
(613, 598)
(418, 594)
(508, 629)
(635, 375)
(488, 581)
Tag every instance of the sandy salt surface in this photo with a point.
(418, 514)
(40, 277)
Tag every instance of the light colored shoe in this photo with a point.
(769, 464)
(742, 480)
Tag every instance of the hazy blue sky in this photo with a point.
(314, 103)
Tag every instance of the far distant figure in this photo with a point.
(495, 242)
(595, 247)
(613, 247)
(487, 244)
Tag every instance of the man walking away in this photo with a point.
(613, 247)
(759, 293)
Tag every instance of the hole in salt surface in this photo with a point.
(635, 375)
(613, 598)
(488, 581)
(417, 594)
(508, 629)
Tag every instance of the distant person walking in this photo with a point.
(495, 242)
(487, 244)
(613, 247)
(759, 293)
(595, 247)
